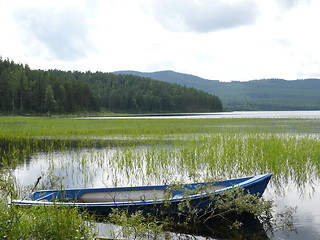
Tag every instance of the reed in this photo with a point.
(41, 127)
(44, 223)
(127, 152)
(212, 157)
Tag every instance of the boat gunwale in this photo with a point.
(250, 181)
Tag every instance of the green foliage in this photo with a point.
(136, 225)
(237, 201)
(43, 223)
(225, 216)
(128, 93)
(264, 94)
(233, 202)
(271, 95)
(161, 151)
(50, 102)
(23, 90)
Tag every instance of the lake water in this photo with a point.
(74, 175)
(236, 114)
(105, 173)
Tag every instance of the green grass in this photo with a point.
(219, 156)
(44, 223)
(148, 151)
(209, 148)
(88, 128)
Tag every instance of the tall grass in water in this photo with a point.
(44, 223)
(288, 157)
(291, 158)
(37, 222)
(192, 150)
(284, 155)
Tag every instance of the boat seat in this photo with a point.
(122, 196)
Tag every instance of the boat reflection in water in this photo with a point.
(219, 228)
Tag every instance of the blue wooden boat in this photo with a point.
(160, 199)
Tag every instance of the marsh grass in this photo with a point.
(54, 128)
(137, 225)
(44, 223)
(219, 156)
(152, 151)
(38, 222)
(229, 215)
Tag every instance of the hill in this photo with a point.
(264, 94)
(174, 77)
(135, 94)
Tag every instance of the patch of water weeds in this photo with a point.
(234, 215)
(201, 158)
(44, 223)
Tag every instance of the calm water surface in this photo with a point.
(104, 173)
(236, 114)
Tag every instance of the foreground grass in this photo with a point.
(44, 223)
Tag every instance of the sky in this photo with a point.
(226, 40)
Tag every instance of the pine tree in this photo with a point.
(50, 102)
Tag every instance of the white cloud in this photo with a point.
(222, 39)
(203, 16)
(287, 4)
(62, 31)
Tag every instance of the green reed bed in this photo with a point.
(154, 151)
(230, 155)
(42, 127)
(291, 158)
(39, 222)
(175, 149)
(212, 157)
(44, 223)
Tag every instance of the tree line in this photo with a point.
(23, 90)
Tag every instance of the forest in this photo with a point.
(254, 95)
(23, 90)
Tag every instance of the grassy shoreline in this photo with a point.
(61, 127)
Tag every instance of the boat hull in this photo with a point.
(147, 203)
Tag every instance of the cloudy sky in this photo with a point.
(215, 39)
